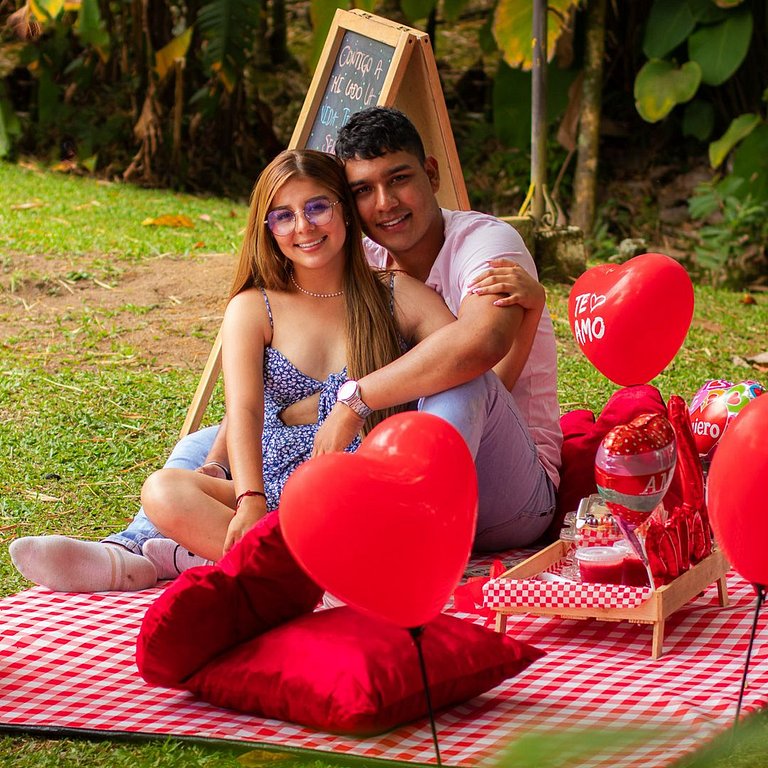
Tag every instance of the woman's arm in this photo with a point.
(245, 333)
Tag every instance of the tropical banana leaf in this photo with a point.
(415, 10)
(228, 28)
(46, 10)
(176, 49)
(9, 125)
(91, 29)
(321, 12)
(513, 29)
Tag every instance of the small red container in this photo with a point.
(634, 573)
(600, 565)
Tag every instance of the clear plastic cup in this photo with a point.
(600, 565)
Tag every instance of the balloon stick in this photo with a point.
(416, 633)
(760, 590)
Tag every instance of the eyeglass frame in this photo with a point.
(303, 212)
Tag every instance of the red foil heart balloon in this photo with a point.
(634, 466)
(630, 319)
(715, 406)
(388, 529)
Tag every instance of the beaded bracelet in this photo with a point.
(249, 492)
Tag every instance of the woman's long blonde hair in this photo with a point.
(372, 335)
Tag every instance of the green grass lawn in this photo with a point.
(78, 440)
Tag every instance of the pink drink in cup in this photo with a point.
(600, 565)
(634, 573)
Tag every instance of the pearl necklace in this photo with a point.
(312, 293)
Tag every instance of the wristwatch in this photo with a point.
(349, 394)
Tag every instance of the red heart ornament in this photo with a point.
(630, 319)
(388, 529)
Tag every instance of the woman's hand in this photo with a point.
(251, 510)
(508, 277)
(214, 469)
(339, 429)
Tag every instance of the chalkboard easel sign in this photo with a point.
(366, 61)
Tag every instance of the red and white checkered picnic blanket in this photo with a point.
(67, 662)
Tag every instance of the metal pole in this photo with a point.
(539, 109)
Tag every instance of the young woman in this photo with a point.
(306, 315)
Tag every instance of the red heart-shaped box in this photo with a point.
(388, 529)
(630, 319)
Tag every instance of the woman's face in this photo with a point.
(307, 222)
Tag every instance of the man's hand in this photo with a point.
(505, 276)
(339, 429)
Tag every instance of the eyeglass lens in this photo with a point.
(316, 212)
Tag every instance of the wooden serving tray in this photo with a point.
(662, 603)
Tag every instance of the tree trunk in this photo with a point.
(588, 145)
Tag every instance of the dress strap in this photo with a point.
(392, 293)
(269, 309)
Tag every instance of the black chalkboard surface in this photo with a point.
(355, 82)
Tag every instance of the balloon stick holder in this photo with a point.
(416, 633)
(760, 590)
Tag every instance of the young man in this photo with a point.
(513, 431)
(509, 416)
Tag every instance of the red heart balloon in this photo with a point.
(388, 529)
(736, 492)
(630, 319)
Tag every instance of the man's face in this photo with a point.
(395, 196)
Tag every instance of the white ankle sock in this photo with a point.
(169, 558)
(70, 565)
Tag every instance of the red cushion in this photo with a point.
(207, 610)
(581, 438)
(343, 672)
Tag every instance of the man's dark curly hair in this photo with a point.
(374, 132)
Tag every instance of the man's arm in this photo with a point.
(516, 286)
(452, 355)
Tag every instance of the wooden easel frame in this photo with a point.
(412, 65)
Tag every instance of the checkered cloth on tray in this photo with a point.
(67, 663)
(552, 594)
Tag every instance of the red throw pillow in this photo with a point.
(207, 610)
(343, 672)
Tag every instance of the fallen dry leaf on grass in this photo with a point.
(170, 220)
(40, 496)
(28, 205)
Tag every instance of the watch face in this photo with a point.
(347, 390)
